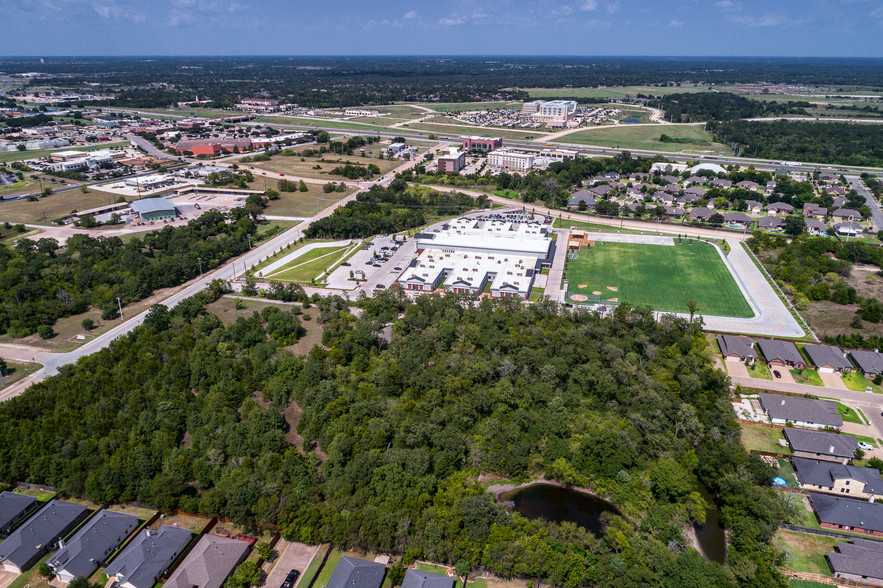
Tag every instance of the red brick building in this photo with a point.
(451, 161)
(481, 143)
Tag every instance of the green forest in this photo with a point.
(41, 282)
(717, 106)
(187, 413)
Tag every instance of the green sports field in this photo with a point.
(660, 276)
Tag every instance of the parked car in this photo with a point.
(290, 579)
(777, 374)
(865, 446)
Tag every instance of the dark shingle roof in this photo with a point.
(12, 505)
(823, 473)
(821, 443)
(736, 217)
(42, 529)
(357, 573)
(826, 355)
(870, 362)
(844, 511)
(741, 346)
(91, 545)
(208, 565)
(770, 222)
(862, 557)
(782, 350)
(780, 206)
(149, 555)
(417, 579)
(805, 410)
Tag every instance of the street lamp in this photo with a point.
(120, 304)
(249, 240)
(199, 259)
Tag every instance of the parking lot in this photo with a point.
(364, 264)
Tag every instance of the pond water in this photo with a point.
(632, 120)
(557, 504)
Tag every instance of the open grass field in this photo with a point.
(804, 552)
(320, 123)
(659, 276)
(455, 130)
(16, 370)
(608, 91)
(20, 155)
(297, 204)
(763, 439)
(292, 165)
(468, 106)
(647, 137)
(309, 265)
(53, 206)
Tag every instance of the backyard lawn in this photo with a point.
(763, 439)
(804, 552)
(660, 276)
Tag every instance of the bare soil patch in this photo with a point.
(292, 417)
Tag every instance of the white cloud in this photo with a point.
(451, 22)
(767, 20)
(613, 7)
(411, 14)
(877, 13)
(676, 23)
(589, 5)
(597, 24)
(729, 6)
(117, 11)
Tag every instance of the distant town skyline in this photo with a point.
(786, 28)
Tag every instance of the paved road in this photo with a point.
(876, 214)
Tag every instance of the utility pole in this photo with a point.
(249, 240)
(120, 304)
(199, 259)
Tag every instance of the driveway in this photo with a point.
(292, 556)
(832, 380)
(7, 578)
(786, 378)
(737, 368)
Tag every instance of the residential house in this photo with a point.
(827, 358)
(674, 212)
(870, 363)
(754, 206)
(357, 573)
(838, 203)
(846, 514)
(688, 199)
(209, 563)
(13, 508)
(33, 539)
(148, 556)
(697, 190)
(737, 218)
(416, 579)
(670, 179)
(735, 348)
(664, 198)
(770, 222)
(748, 185)
(815, 227)
(820, 445)
(613, 176)
(721, 183)
(92, 545)
(781, 354)
(672, 188)
(602, 190)
(849, 229)
(694, 180)
(801, 412)
(782, 171)
(702, 213)
(846, 214)
(769, 188)
(860, 561)
(835, 191)
(828, 178)
(814, 210)
(780, 208)
(583, 196)
(836, 478)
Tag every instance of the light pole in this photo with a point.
(120, 305)
(199, 259)
(249, 240)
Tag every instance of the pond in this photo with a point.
(632, 120)
(557, 504)
(711, 535)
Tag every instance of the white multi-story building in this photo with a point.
(560, 109)
(532, 107)
(507, 159)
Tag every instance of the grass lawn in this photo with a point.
(646, 137)
(292, 165)
(786, 470)
(53, 206)
(660, 276)
(324, 575)
(40, 495)
(306, 578)
(431, 568)
(467, 106)
(536, 294)
(453, 130)
(20, 155)
(16, 370)
(807, 376)
(297, 204)
(608, 91)
(848, 414)
(806, 584)
(858, 381)
(759, 370)
(563, 223)
(763, 439)
(308, 266)
(319, 123)
(804, 552)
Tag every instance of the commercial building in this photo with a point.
(209, 564)
(845, 514)
(154, 209)
(24, 547)
(148, 183)
(558, 109)
(507, 159)
(13, 508)
(860, 561)
(822, 446)
(801, 412)
(483, 143)
(92, 545)
(560, 154)
(452, 161)
(837, 478)
(148, 556)
(532, 107)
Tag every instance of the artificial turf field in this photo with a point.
(660, 276)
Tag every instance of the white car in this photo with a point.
(865, 446)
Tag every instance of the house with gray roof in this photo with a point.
(814, 210)
(770, 222)
(697, 191)
(837, 478)
(860, 561)
(819, 445)
(846, 214)
(737, 218)
(827, 358)
(781, 354)
(33, 539)
(417, 579)
(780, 208)
(815, 227)
(148, 556)
(754, 206)
(352, 572)
(674, 212)
(209, 563)
(838, 203)
(870, 363)
(695, 180)
(850, 229)
(583, 196)
(846, 514)
(802, 412)
(13, 508)
(721, 183)
(701, 213)
(748, 185)
(90, 547)
(689, 199)
(735, 348)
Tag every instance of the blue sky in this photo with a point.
(454, 27)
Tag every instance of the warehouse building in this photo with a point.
(154, 209)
